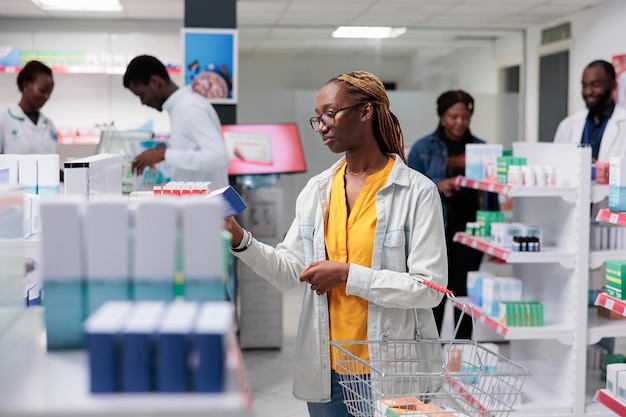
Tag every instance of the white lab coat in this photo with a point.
(19, 135)
(196, 150)
(613, 143)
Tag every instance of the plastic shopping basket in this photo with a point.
(435, 378)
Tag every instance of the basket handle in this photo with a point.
(448, 293)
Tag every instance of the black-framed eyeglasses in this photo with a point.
(328, 119)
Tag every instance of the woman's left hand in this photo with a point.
(323, 276)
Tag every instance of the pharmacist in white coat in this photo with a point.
(603, 124)
(195, 150)
(23, 128)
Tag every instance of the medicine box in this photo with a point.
(612, 372)
(486, 217)
(503, 164)
(617, 198)
(621, 383)
(497, 289)
(475, 286)
(615, 278)
(617, 171)
(602, 172)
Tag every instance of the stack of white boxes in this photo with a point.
(260, 304)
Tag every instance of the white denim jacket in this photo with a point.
(409, 247)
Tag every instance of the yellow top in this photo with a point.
(350, 239)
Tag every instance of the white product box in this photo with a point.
(617, 171)
(612, 372)
(27, 173)
(496, 289)
(10, 162)
(48, 174)
(96, 174)
(621, 383)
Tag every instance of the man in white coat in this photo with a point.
(603, 125)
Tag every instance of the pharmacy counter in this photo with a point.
(35, 382)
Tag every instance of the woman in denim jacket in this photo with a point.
(367, 233)
(441, 157)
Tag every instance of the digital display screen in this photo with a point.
(264, 149)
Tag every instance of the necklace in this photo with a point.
(356, 174)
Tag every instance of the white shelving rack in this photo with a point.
(605, 327)
(558, 276)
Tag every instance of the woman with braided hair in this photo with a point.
(367, 232)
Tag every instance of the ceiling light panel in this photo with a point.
(79, 5)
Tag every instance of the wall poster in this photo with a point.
(210, 63)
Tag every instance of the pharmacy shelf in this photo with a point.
(605, 398)
(549, 331)
(34, 381)
(598, 257)
(611, 303)
(613, 217)
(599, 192)
(546, 255)
(566, 193)
(599, 327)
(539, 400)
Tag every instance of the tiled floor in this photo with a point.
(269, 372)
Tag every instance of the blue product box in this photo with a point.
(139, 347)
(103, 345)
(211, 333)
(174, 347)
(231, 200)
(617, 198)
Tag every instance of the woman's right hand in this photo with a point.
(448, 186)
(231, 225)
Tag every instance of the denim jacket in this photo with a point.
(429, 154)
(409, 247)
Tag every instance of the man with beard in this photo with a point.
(603, 125)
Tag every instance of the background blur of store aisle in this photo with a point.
(269, 371)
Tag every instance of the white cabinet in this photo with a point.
(260, 305)
(558, 277)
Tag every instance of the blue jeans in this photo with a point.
(336, 407)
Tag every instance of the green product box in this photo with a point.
(485, 217)
(502, 168)
(521, 313)
(616, 279)
(608, 358)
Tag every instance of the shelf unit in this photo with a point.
(56, 383)
(618, 327)
(605, 398)
(558, 276)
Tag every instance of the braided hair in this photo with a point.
(367, 87)
(30, 71)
